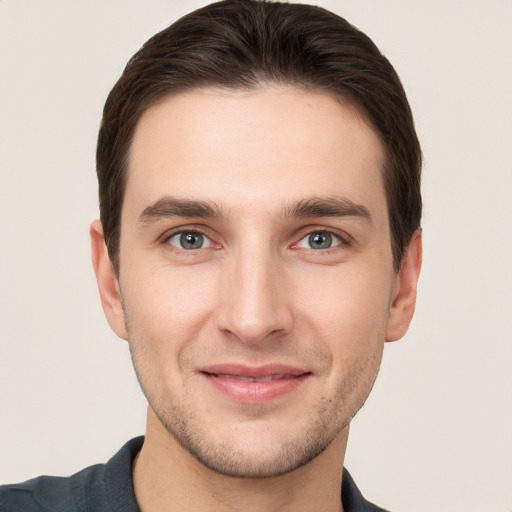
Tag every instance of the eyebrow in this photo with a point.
(328, 207)
(172, 207)
(169, 206)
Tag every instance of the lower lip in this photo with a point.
(253, 392)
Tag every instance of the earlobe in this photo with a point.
(108, 284)
(404, 296)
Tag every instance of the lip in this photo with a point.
(254, 384)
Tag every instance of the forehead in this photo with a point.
(265, 146)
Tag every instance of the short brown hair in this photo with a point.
(242, 44)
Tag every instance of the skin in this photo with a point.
(257, 292)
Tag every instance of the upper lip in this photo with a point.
(242, 370)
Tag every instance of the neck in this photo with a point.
(167, 479)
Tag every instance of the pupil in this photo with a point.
(191, 240)
(320, 240)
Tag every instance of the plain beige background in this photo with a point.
(437, 432)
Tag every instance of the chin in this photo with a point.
(259, 453)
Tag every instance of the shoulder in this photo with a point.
(98, 488)
(47, 493)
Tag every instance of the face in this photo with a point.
(256, 276)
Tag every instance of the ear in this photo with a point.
(108, 284)
(404, 293)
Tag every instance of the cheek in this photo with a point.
(167, 309)
(348, 309)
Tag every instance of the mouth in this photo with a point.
(243, 378)
(253, 385)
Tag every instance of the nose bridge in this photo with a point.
(255, 305)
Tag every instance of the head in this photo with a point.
(259, 197)
(247, 44)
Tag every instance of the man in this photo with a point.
(259, 242)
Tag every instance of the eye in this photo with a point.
(189, 240)
(319, 240)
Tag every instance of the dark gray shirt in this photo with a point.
(109, 488)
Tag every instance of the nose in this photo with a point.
(256, 305)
